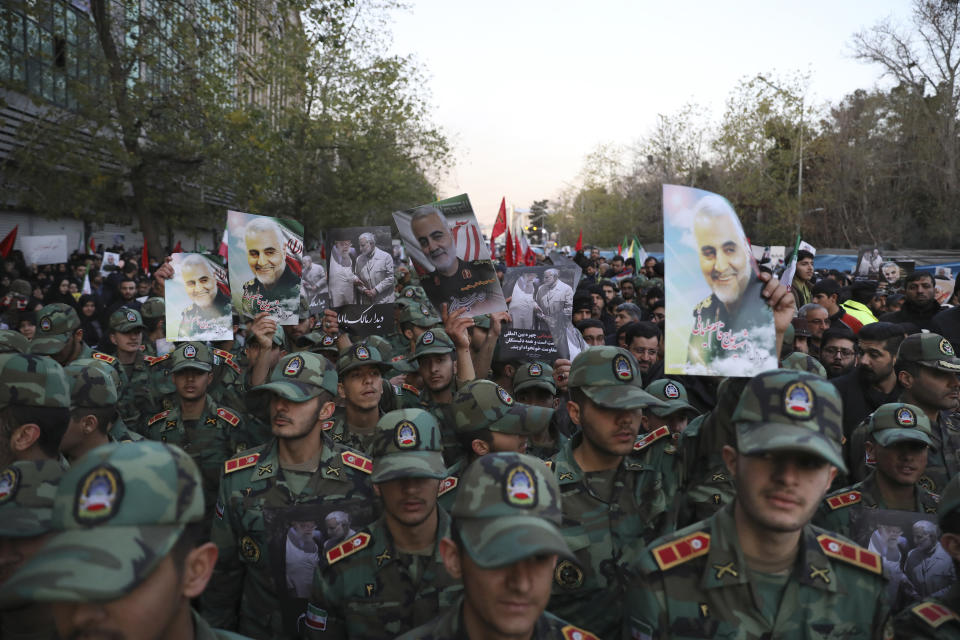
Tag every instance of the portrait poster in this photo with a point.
(943, 288)
(718, 323)
(360, 278)
(197, 299)
(297, 538)
(265, 265)
(111, 262)
(770, 256)
(893, 273)
(540, 302)
(869, 262)
(909, 546)
(445, 244)
(314, 283)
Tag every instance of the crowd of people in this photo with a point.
(302, 481)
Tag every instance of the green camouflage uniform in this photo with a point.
(56, 324)
(252, 589)
(356, 355)
(153, 308)
(373, 590)
(436, 341)
(798, 361)
(935, 619)
(606, 518)
(507, 511)
(116, 515)
(138, 395)
(539, 375)
(696, 583)
(13, 342)
(94, 385)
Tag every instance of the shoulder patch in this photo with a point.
(934, 614)
(549, 464)
(159, 416)
(152, 360)
(104, 357)
(233, 365)
(850, 553)
(447, 485)
(229, 417)
(671, 554)
(226, 355)
(653, 436)
(348, 547)
(844, 499)
(243, 462)
(571, 632)
(412, 389)
(357, 461)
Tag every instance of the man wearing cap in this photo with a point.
(898, 439)
(392, 579)
(677, 412)
(413, 318)
(126, 554)
(504, 544)
(612, 503)
(801, 335)
(13, 342)
(208, 432)
(154, 314)
(938, 617)
(138, 393)
(59, 334)
(757, 568)
(34, 407)
(297, 478)
(443, 361)
(360, 374)
(533, 384)
(27, 489)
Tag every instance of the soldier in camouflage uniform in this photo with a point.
(118, 431)
(938, 618)
(504, 546)
(154, 314)
(758, 569)
(126, 556)
(13, 342)
(36, 394)
(612, 503)
(391, 578)
(209, 433)
(899, 439)
(928, 371)
(413, 318)
(279, 491)
(138, 395)
(59, 334)
(533, 384)
(676, 414)
(27, 489)
(798, 361)
(360, 374)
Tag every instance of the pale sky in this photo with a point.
(526, 89)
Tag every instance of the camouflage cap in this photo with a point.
(359, 355)
(91, 386)
(325, 344)
(421, 315)
(100, 364)
(507, 509)
(15, 342)
(29, 380)
(899, 422)
(55, 324)
(930, 350)
(125, 320)
(783, 410)
(483, 404)
(673, 394)
(382, 345)
(117, 513)
(949, 499)
(610, 378)
(22, 287)
(300, 376)
(432, 341)
(27, 490)
(798, 361)
(191, 355)
(414, 293)
(535, 375)
(407, 445)
(153, 308)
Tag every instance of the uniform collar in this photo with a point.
(386, 549)
(566, 468)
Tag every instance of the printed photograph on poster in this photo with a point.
(909, 544)
(540, 299)
(297, 537)
(772, 257)
(893, 273)
(718, 324)
(869, 262)
(197, 299)
(360, 278)
(943, 287)
(111, 262)
(445, 243)
(313, 286)
(264, 258)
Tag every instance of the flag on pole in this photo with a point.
(499, 226)
(579, 246)
(6, 245)
(93, 245)
(638, 253)
(222, 251)
(527, 256)
(178, 248)
(508, 250)
(791, 269)
(86, 290)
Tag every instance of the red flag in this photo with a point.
(499, 226)
(145, 257)
(222, 251)
(93, 245)
(517, 251)
(579, 246)
(178, 248)
(6, 245)
(508, 250)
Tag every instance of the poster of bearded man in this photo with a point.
(197, 300)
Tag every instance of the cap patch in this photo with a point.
(505, 397)
(535, 370)
(406, 435)
(408, 293)
(905, 417)
(622, 368)
(293, 367)
(946, 348)
(98, 496)
(798, 401)
(424, 310)
(189, 351)
(519, 489)
(362, 353)
(131, 316)
(45, 324)
(327, 341)
(671, 391)
(9, 482)
(427, 337)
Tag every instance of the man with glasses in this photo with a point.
(838, 351)
(818, 321)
